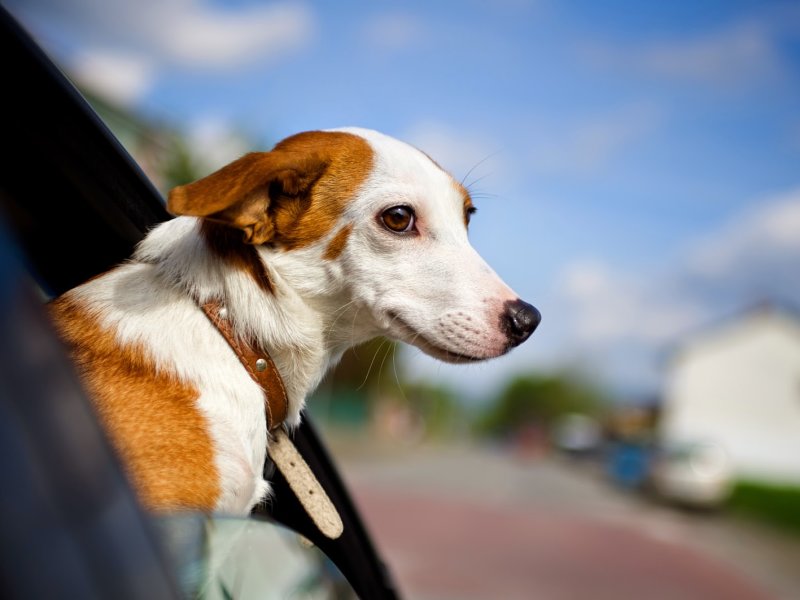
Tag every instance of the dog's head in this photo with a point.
(356, 219)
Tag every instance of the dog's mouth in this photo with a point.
(406, 333)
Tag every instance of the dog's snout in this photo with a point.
(519, 321)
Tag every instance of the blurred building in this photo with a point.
(736, 388)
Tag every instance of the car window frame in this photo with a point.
(76, 204)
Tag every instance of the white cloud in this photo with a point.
(754, 257)
(466, 155)
(743, 52)
(610, 307)
(120, 78)
(149, 36)
(740, 54)
(613, 317)
(767, 234)
(209, 37)
(393, 31)
(215, 143)
(587, 146)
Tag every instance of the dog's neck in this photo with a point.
(297, 308)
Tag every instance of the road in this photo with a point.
(465, 523)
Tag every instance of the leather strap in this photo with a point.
(305, 485)
(257, 362)
(282, 451)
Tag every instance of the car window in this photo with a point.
(88, 208)
(220, 558)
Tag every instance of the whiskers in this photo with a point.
(338, 313)
(384, 341)
(470, 185)
(391, 350)
(396, 376)
(347, 337)
(475, 166)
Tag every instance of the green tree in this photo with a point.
(179, 165)
(539, 400)
(371, 367)
(349, 392)
(439, 407)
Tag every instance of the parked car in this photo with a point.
(698, 474)
(73, 205)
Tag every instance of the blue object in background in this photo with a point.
(629, 464)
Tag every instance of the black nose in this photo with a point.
(519, 321)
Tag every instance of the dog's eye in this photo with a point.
(399, 219)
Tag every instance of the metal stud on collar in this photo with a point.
(261, 364)
(223, 313)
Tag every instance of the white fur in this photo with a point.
(432, 285)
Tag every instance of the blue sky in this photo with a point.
(636, 165)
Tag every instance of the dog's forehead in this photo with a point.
(406, 172)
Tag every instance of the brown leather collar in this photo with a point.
(258, 364)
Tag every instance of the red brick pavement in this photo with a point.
(439, 549)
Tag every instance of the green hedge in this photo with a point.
(777, 505)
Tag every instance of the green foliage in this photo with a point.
(179, 166)
(364, 375)
(439, 407)
(773, 504)
(370, 367)
(537, 399)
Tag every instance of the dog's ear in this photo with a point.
(246, 193)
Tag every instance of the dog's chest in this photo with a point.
(238, 429)
(233, 406)
(181, 340)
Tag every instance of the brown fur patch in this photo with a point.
(227, 243)
(289, 197)
(300, 222)
(337, 244)
(151, 418)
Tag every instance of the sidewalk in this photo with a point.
(469, 523)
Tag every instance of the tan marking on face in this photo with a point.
(300, 222)
(468, 206)
(337, 244)
(150, 417)
(228, 244)
(459, 187)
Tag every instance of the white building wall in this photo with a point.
(740, 388)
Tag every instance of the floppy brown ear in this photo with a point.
(240, 194)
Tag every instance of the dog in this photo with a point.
(328, 240)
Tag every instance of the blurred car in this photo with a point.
(73, 205)
(696, 474)
(577, 434)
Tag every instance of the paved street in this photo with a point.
(475, 524)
